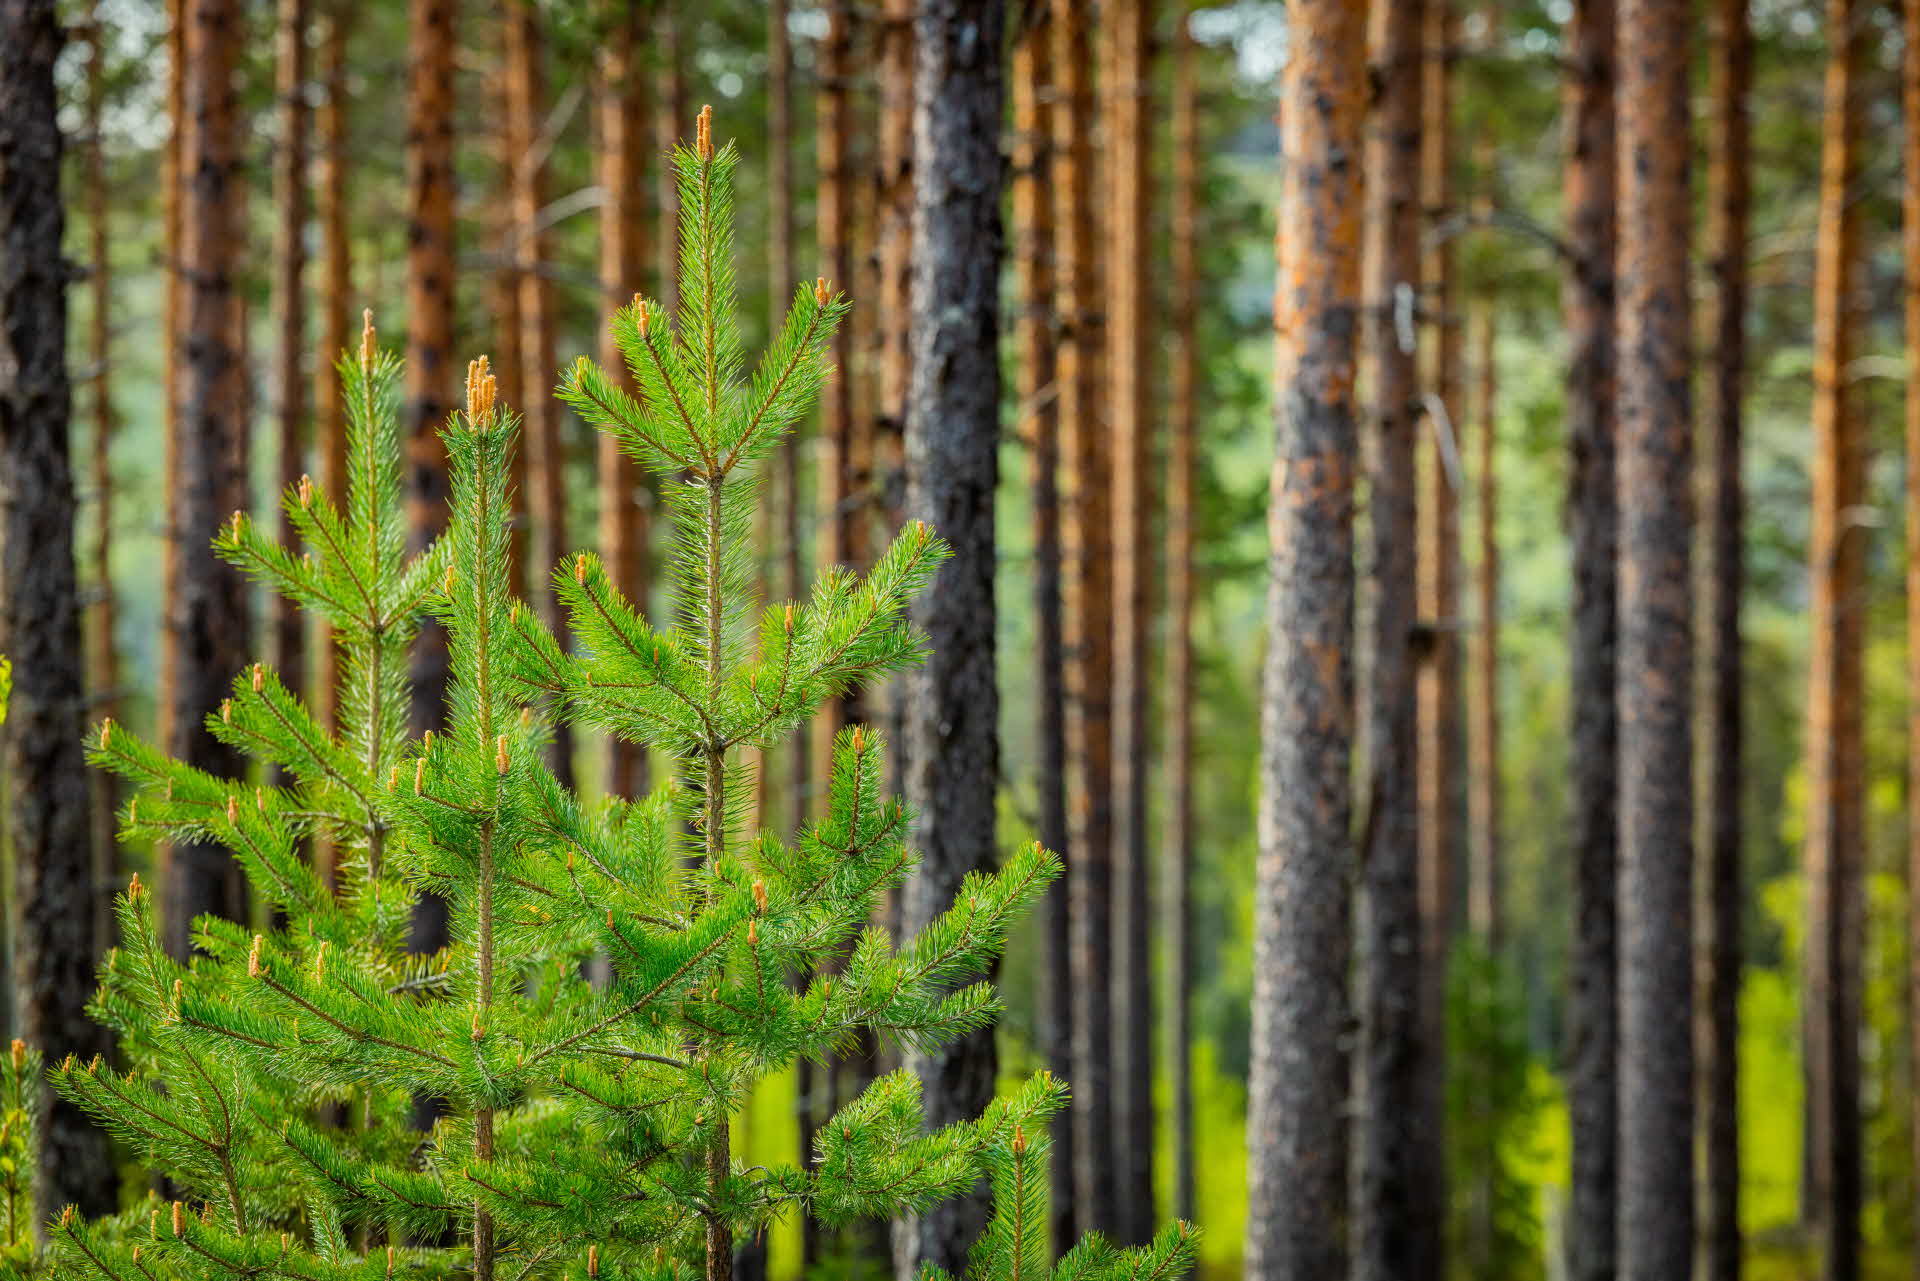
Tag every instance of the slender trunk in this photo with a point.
(429, 390)
(103, 654)
(1300, 1088)
(1723, 582)
(1910, 250)
(503, 292)
(1483, 798)
(1087, 564)
(1032, 90)
(1392, 1214)
(952, 458)
(1440, 446)
(622, 120)
(1183, 429)
(336, 302)
(669, 123)
(208, 617)
(1588, 305)
(1655, 676)
(1835, 767)
(288, 628)
(547, 539)
(172, 192)
(780, 267)
(1126, 34)
(47, 822)
(891, 240)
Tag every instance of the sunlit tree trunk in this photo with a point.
(672, 124)
(1835, 765)
(47, 823)
(288, 632)
(1483, 796)
(780, 266)
(624, 139)
(1391, 1217)
(1723, 580)
(1656, 648)
(1588, 305)
(1299, 1089)
(208, 616)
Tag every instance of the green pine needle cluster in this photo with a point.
(582, 1123)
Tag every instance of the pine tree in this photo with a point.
(587, 1127)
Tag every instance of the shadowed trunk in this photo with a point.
(336, 304)
(1299, 1089)
(1483, 796)
(288, 630)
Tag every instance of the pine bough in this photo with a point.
(583, 1125)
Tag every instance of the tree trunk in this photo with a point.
(103, 653)
(172, 198)
(670, 124)
(288, 628)
(1126, 38)
(1483, 797)
(780, 267)
(429, 390)
(1299, 1091)
(1392, 1240)
(1910, 252)
(890, 367)
(1723, 582)
(1656, 648)
(209, 616)
(1587, 302)
(1835, 764)
(47, 816)
(1440, 428)
(1032, 90)
(336, 304)
(624, 139)
(545, 435)
(1183, 430)
(1087, 563)
(953, 444)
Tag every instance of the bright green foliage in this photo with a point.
(19, 1135)
(584, 1126)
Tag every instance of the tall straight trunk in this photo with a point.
(288, 628)
(1300, 1089)
(953, 450)
(1032, 91)
(1910, 253)
(1483, 794)
(103, 654)
(1126, 54)
(336, 304)
(1723, 581)
(172, 298)
(1183, 429)
(1587, 301)
(780, 286)
(547, 539)
(1836, 835)
(47, 823)
(208, 615)
(1440, 445)
(429, 389)
(890, 367)
(1087, 563)
(1392, 1238)
(624, 139)
(1656, 648)
(503, 305)
(671, 122)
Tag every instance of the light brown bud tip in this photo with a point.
(260, 799)
(703, 136)
(253, 959)
(66, 1217)
(366, 339)
(19, 1054)
(419, 774)
(753, 933)
(820, 291)
(393, 778)
(134, 887)
(259, 677)
(233, 810)
(500, 754)
(239, 523)
(641, 314)
(226, 711)
(526, 718)
(580, 568)
(1019, 1140)
(179, 1221)
(106, 733)
(593, 1260)
(859, 738)
(759, 894)
(306, 491)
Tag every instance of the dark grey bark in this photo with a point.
(1392, 1238)
(1593, 1008)
(1656, 648)
(1299, 1090)
(952, 451)
(1722, 582)
(48, 801)
(208, 614)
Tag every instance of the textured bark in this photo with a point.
(1126, 88)
(103, 654)
(1440, 457)
(429, 377)
(288, 631)
(1087, 564)
(1655, 675)
(546, 423)
(47, 821)
(1392, 1217)
(1836, 837)
(952, 443)
(884, 327)
(1722, 581)
(621, 116)
(1299, 1091)
(336, 304)
(1483, 770)
(208, 616)
(1032, 90)
(1588, 305)
(1183, 428)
